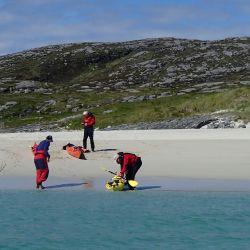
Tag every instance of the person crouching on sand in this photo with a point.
(41, 159)
(130, 164)
(88, 122)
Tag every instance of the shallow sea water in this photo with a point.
(152, 219)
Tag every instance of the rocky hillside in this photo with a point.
(51, 83)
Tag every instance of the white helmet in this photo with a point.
(85, 112)
(116, 156)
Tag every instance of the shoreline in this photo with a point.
(153, 183)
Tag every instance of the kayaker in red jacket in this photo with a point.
(41, 158)
(130, 164)
(88, 122)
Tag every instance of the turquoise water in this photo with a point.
(72, 219)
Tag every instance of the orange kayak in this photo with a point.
(75, 151)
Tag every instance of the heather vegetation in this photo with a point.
(138, 81)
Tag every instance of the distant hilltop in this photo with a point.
(60, 80)
(155, 62)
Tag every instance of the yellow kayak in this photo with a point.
(117, 184)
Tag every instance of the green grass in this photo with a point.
(125, 113)
(173, 107)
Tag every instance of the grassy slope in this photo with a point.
(173, 107)
(146, 111)
(120, 61)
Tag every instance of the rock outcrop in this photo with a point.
(58, 79)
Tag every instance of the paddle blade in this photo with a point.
(132, 183)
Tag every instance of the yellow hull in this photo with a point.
(117, 184)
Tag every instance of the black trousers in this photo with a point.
(89, 132)
(132, 170)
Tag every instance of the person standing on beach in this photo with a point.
(88, 122)
(41, 159)
(130, 164)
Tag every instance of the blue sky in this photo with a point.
(26, 24)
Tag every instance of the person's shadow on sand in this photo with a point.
(66, 185)
(147, 187)
(106, 149)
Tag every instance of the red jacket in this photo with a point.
(88, 121)
(129, 160)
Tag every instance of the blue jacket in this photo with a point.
(44, 145)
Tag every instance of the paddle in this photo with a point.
(132, 183)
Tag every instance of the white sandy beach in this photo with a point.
(177, 156)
